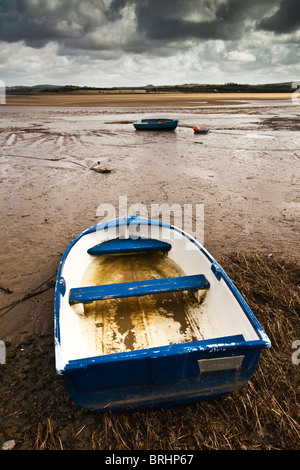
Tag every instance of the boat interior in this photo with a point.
(141, 292)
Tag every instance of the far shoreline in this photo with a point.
(139, 99)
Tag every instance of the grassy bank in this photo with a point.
(37, 412)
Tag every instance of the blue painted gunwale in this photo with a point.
(226, 343)
(81, 369)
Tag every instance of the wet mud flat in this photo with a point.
(63, 170)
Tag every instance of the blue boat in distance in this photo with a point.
(160, 124)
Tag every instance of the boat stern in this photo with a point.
(163, 377)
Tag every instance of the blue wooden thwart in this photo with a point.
(135, 289)
(129, 245)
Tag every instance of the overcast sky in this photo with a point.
(138, 42)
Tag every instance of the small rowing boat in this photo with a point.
(145, 317)
(156, 124)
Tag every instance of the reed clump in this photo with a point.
(37, 412)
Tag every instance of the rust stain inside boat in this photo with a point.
(127, 324)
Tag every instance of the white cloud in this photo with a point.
(240, 56)
(21, 64)
(208, 62)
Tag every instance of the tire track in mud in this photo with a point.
(54, 143)
(41, 134)
(59, 150)
(9, 140)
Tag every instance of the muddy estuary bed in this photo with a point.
(62, 170)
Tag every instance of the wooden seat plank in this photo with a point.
(129, 245)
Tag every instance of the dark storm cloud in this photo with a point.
(19, 22)
(285, 20)
(167, 23)
(173, 19)
(94, 24)
(37, 22)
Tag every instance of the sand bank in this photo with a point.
(140, 99)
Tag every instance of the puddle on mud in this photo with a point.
(120, 325)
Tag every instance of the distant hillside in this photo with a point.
(30, 89)
(231, 88)
(185, 88)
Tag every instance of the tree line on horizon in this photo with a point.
(185, 88)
